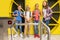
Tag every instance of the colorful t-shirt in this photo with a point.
(47, 11)
(36, 14)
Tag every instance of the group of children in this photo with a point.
(35, 15)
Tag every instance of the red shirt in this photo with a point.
(36, 14)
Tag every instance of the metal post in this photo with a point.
(40, 31)
(11, 33)
(48, 30)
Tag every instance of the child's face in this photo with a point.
(28, 8)
(44, 3)
(36, 6)
(19, 8)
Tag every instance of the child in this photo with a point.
(17, 14)
(28, 16)
(36, 16)
(47, 13)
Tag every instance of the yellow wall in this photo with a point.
(5, 8)
(31, 3)
(56, 29)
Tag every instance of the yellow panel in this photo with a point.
(56, 30)
(5, 8)
(11, 30)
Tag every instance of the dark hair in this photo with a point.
(46, 4)
(19, 4)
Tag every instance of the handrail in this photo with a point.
(48, 29)
(11, 27)
(28, 24)
(41, 22)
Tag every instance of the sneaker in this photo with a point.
(35, 35)
(38, 36)
(27, 35)
(15, 35)
(46, 35)
(21, 35)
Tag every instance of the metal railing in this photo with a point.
(41, 24)
(47, 29)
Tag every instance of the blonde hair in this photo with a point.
(27, 7)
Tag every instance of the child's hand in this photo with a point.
(16, 14)
(44, 16)
(34, 15)
(27, 20)
(47, 15)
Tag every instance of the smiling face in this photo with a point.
(19, 7)
(45, 3)
(27, 8)
(36, 6)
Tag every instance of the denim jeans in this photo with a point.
(19, 26)
(36, 27)
(46, 21)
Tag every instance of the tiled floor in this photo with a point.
(53, 37)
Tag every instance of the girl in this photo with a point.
(28, 16)
(18, 19)
(47, 13)
(36, 16)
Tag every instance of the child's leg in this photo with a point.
(28, 30)
(20, 27)
(25, 30)
(47, 22)
(16, 26)
(36, 28)
(21, 34)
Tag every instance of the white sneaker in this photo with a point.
(44, 37)
(15, 35)
(21, 35)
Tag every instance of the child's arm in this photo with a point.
(15, 13)
(24, 15)
(50, 12)
(33, 15)
(21, 14)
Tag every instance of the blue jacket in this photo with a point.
(18, 18)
